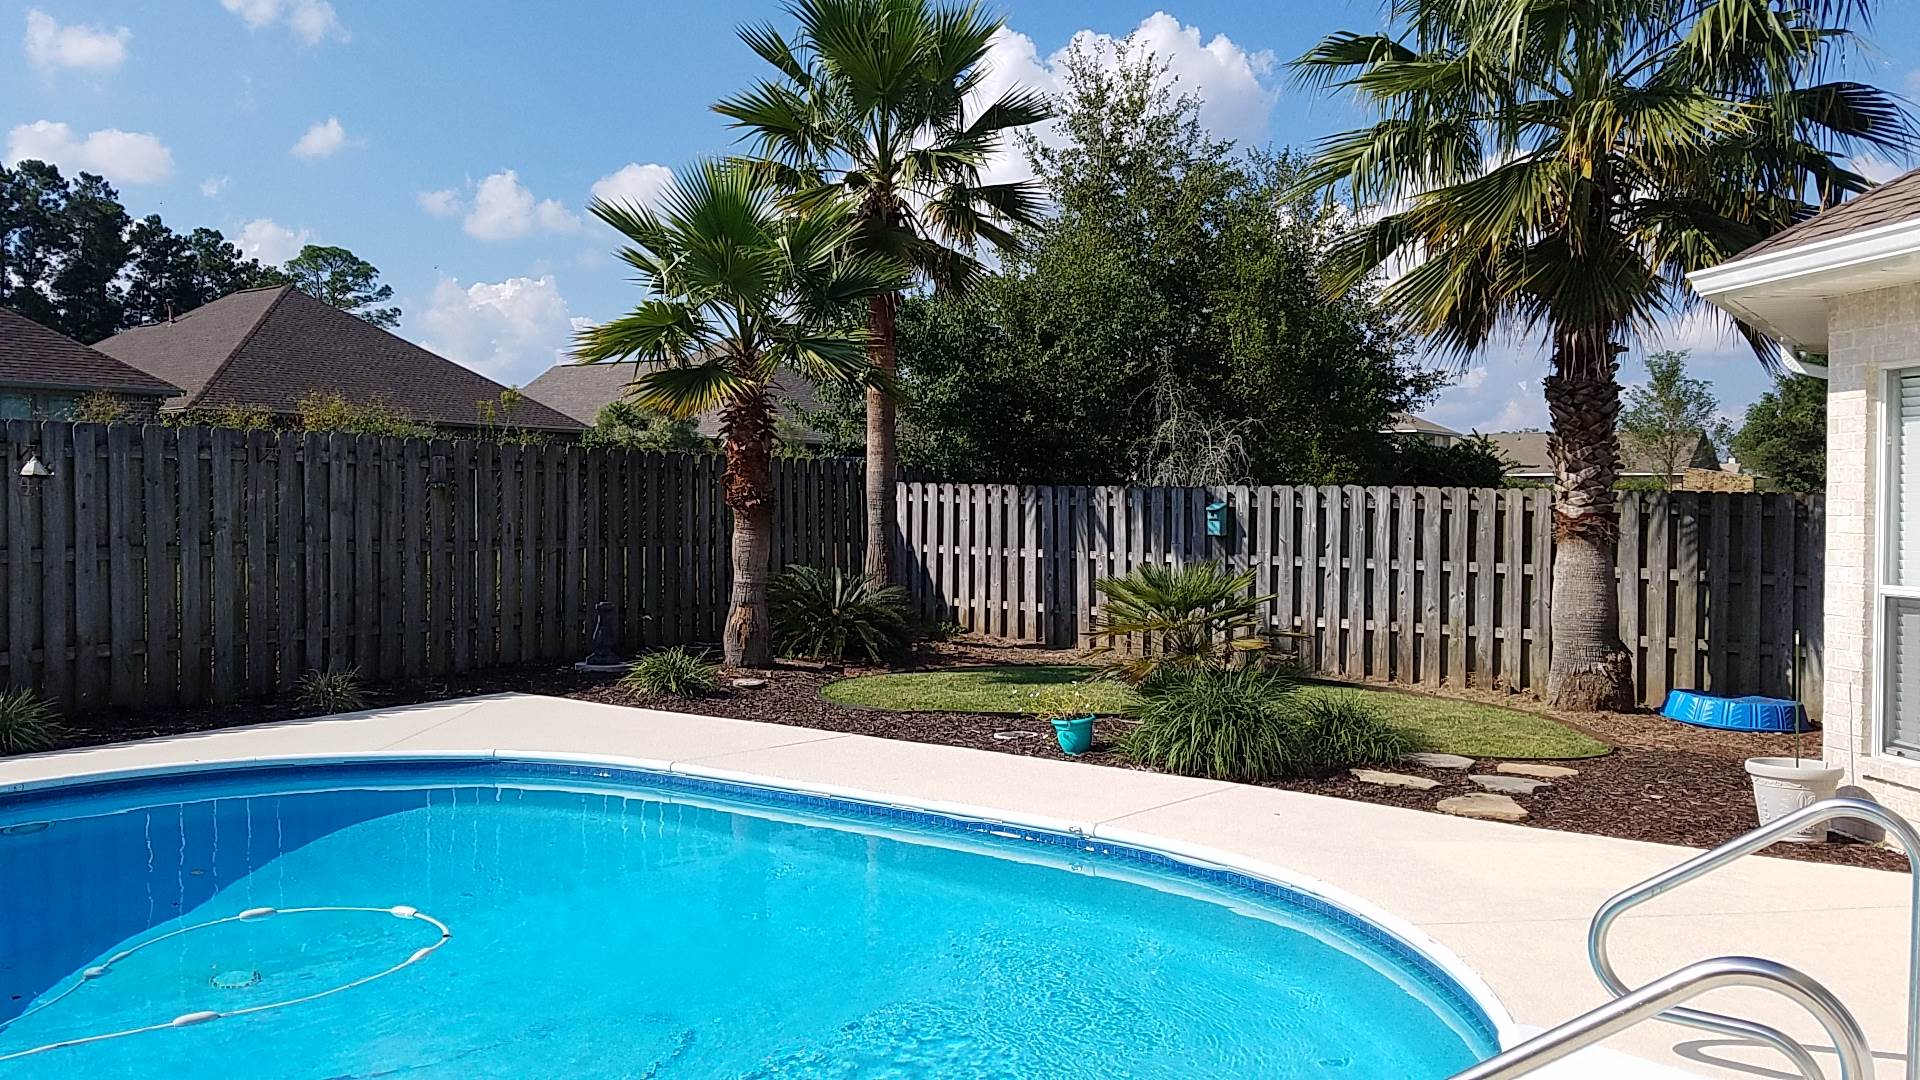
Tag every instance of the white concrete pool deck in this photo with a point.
(1511, 902)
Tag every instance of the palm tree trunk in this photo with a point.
(1590, 669)
(883, 455)
(747, 641)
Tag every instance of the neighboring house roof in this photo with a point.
(271, 347)
(581, 390)
(1408, 424)
(1781, 286)
(1526, 455)
(32, 355)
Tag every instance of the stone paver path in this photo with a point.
(1484, 805)
(1439, 761)
(1510, 785)
(1542, 772)
(1394, 779)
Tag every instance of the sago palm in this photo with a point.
(871, 103)
(739, 287)
(1557, 167)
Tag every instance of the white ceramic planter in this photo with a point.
(1782, 785)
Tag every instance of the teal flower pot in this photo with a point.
(1075, 735)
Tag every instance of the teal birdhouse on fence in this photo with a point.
(1217, 519)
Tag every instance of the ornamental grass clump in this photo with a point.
(831, 615)
(331, 691)
(673, 672)
(27, 723)
(1250, 724)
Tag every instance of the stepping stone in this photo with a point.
(1483, 805)
(1542, 772)
(1510, 785)
(1394, 779)
(1009, 736)
(749, 684)
(1439, 761)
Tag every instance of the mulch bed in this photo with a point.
(1664, 782)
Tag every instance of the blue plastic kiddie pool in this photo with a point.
(1735, 714)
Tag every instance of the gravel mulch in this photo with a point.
(1664, 782)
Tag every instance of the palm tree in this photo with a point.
(1559, 167)
(738, 287)
(871, 103)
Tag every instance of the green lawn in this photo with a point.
(1446, 724)
(982, 690)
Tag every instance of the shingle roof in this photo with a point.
(33, 355)
(1407, 423)
(1895, 201)
(272, 347)
(582, 390)
(1526, 455)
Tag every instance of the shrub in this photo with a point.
(27, 723)
(1251, 724)
(673, 672)
(1340, 731)
(1194, 618)
(322, 411)
(331, 691)
(828, 614)
(100, 407)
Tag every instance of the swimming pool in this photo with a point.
(538, 919)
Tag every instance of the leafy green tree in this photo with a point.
(1171, 304)
(336, 276)
(63, 244)
(870, 105)
(171, 274)
(1785, 434)
(622, 425)
(1666, 418)
(1559, 166)
(740, 287)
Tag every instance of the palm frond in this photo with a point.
(685, 391)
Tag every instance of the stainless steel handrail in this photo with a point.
(1659, 998)
(1816, 814)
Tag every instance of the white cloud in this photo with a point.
(443, 203)
(633, 183)
(86, 48)
(1471, 379)
(1235, 87)
(313, 21)
(1877, 169)
(510, 330)
(212, 186)
(271, 242)
(323, 139)
(503, 209)
(124, 157)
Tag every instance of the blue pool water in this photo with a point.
(615, 924)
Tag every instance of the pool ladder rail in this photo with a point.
(1663, 998)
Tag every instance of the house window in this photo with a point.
(21, 405)
(1899, 586)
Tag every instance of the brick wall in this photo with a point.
(1868, 333)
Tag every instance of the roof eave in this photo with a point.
(1784, 292)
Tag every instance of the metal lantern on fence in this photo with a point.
(33, 475)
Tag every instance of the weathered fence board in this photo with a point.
(162, 566)
(179, 565)
(1424, 586)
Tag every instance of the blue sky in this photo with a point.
(455, 145)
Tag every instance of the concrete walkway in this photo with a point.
(1510, 901)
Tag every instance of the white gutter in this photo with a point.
(1896, 240)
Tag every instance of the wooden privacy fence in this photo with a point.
(187, 565)
(1421, 586)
